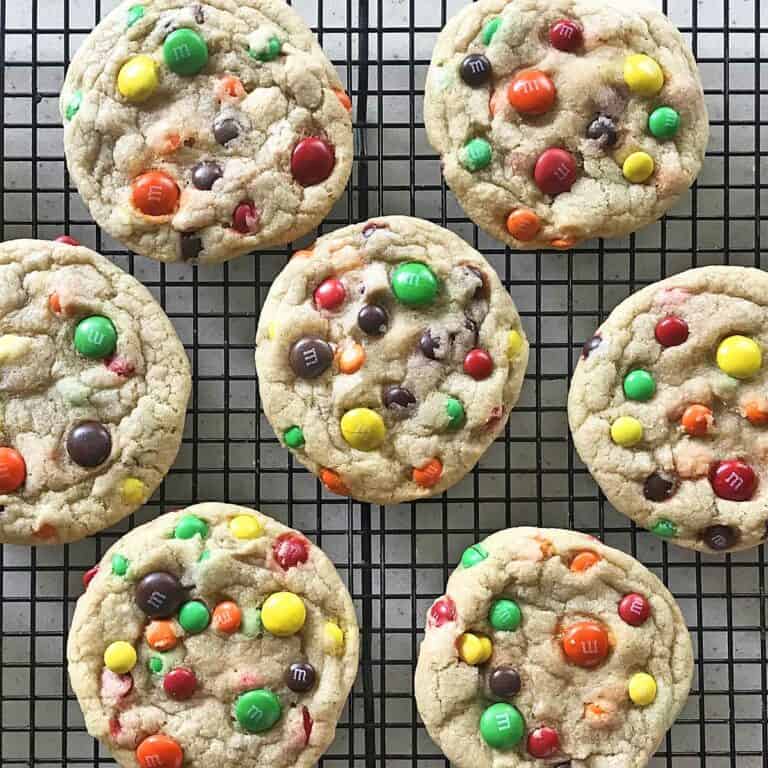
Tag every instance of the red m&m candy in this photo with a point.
(180, 683)
(89, 574)
(312, 161)
(586, 644)
(330, 294)
(634, 609)
(555, 171)
(290, 550)
(566, 35)
(543, 742)
(246, 219)
(159, 751)
(67, 240)
(478, 364)
(671, 331)
(532, 92)
(155, 193)
(733, 480)
(442, 612)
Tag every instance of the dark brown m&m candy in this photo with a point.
(590, 345)
(310, 357)
(206, 174)
(300, 677)
(504, 682)
(312, 161)
(373, 319)
(658, 488)
(566, 35)
(602, 129)
(720, 537)
(225, 129)
(89, 444)
(159, 594)
(671, 331)
(475, 70)
(398, 399)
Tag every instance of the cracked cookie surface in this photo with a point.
(205, 130)
(214, 635)
(94, 384)
(389, 358)
(550, 648)
(668, 407)
(562, 120)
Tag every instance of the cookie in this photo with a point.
(562, 120)
(389, 358)
(213, 634)
(669, 408)
(94, 386)
(550, 648)
(205, 130)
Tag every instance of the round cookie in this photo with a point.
(213, 634)
(549, 647)
(94, 384)
(669, 408)
(562, 120)
(389, 359)
(205, 130)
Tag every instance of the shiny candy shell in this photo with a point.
(639, 385)
(138, 78)
(476, 155)
(523, 224)
(532, 92)
(504, 682)
(159, 751)
(643, 75)
(120, 657)
(330, 294)
(505, 615)
(642, 689)
(443, 611)
(363, 429)
(246, 218)
(414, 284)
(626, 431)
(473, 555)
(475, 70)
(664, 123)
(185, 52)
(89, 444)
(283, 614)
(555, 171)
(720, 537)
(159, 594)
(634, 609)
(245, 527)
(502, 726)
(372, 319)
(658, 488)
(478, 364)
(543, 742)
(206, 174)
(671, 331)
(190, 526)
(566, 35)
(638, 167)
(290, 550)
(180, 683)
(586, 644)
(739, 356)
(300, 677)
(734, 480)
(474, 649)
(13, 470)
(312, 161)
(194, 617)
(310, 357)
(95, 337)
(258, 710)
(697, 420)
(227, 617)
(155, 193)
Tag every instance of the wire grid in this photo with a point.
(396, 560)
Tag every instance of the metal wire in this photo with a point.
(396, 560)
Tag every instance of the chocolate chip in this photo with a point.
(504, 682)
(590, 345)
(602, 129)
(310, 357)
(658, 488)
(159, 594)
(197, 9)
(474, 331)
(300, 677)
(89, 444)
(429, 345)
(398, 399)
(190, 246)
(481, 292)
(225, 129)
(720, 537)
(475, 70)
(206, 174)
(373, 319)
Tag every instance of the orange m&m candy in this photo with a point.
(351, 359)
(333, 482)
(756, 413)
(227, 617)
(343, 98)
(532, 92)
(155, 193)
(586, 644)
(584, 561)
(523, 224)
(697, 419)
(159, 751)
(160, 635)
(13, 470)
(429, 474)
(54, 303)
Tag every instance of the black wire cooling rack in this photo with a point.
(396, 559)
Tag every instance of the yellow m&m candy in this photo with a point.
(643, 75)
(245, 527)
(363, 429)
(474, 649)
(642, 689)
(514, 344)
(283, 614)
(739, 356)
(138, 78)
(120, 657)
(333, 639)
(133, 491)
(638, 167)
(626, 431)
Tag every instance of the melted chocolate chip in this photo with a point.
(481, 292)
(190, 246)
(373, 319)
(197, 9)
(471, 326)
(658, 488)
(590, 345)
(720, 537)
(398, 399)
(225, 129)
(429, 345)
(603, 129)
(206, 174)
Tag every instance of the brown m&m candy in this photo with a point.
(720, 537)
(300, 677)
(475, 70)
(89, 444)
(310, 357)
(504, 682)
(159, 594)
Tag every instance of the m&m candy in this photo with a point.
(733, 480)
(190, 526)
(739, 356)
(586, 644)
(257, 711)
(206, 174)
(634, 609)
(333, 638)
(225, 129)
(194, 616)
(504, 682)
(155, 193)
(476, 155)
(300, 677)
(95, 337)
(290, 550)
(658, 488)
(268, 51)
(502, 726)
(523, 224)
(584, 561)
(455, 411)
(429, 474)
(697, 420)
(443, 611)
(642, 689)
(671, 331)
(180, 683)
(643, 75)
(159, 751)
(626, 431)
(138, 78)
(555, 171)
(246, 218)
(363, 429)
(89, 444)
(13, 470)
(532, 92)
(638, 167)
(351, 358)
(119, 564)
(246, 527)
(227, 617)
(283, 614)
(89, 575)
(330, 294)
(566, 35)
(473, 555)
(490, 28)
(543, 742)
(67, 240)
(666, 529)
(293, 437)
(372, 319)
(505, 615)
(664, 122)
(478, 364)
(120, 657)
(414, 284)
(639, 385)
(312, 161)
(310, 357)
(185, 52)
(73, 105)
(720, 537)
(160, 635)
(475, 70)
(159, 594)
(474, 649)
(399, 400)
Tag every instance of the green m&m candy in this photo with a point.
(476, 155)
(269, 51)
(95, 337)
(505, 615)
(190, 526)
(414, 284)
(194, 617)
(490, 29)
(502, 726)
(455, 411)
(258, 711)
(251, 625)
(185, 52)
(473, 555)
(155, 665)
(135, 13)
(664, 122)
(666, 529)
(293, 437)
(639, 385)
(73, 105)
(119, 565)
